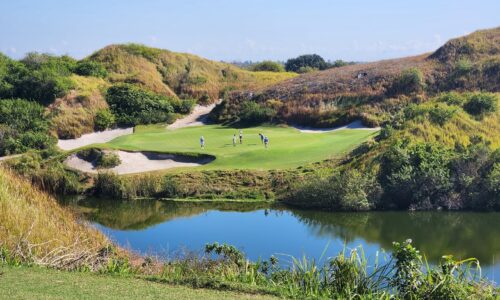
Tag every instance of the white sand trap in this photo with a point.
(354, 125)
(197, 117)
(93, 138)
(138, 162)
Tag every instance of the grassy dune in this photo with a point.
(176, 74)
(34, 228)
(288, 147)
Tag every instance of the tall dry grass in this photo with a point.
(35, 229)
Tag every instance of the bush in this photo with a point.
(104, 119)
(415, 177)
(312, 61)
(183, 106)
(42, 77)
(108, 160)
(347, 190)
(452, 98)
(410, 81)
(462, 68)
(90, 155)
(23, 126)
(303, 70)
(90, 68)
(253, 114)
(133, 106)
(440, 114)
(269, 66)
(481, 103)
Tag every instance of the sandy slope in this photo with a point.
(197, 117)
(93, 138)
(137, 162)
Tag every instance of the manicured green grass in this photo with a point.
(288, 147)
(41, 283)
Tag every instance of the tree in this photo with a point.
(267, 65)
(132, 105)
(313, 61)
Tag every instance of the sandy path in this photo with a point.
(93, 138)
(354, 125)
(137, 162)
(197, 117)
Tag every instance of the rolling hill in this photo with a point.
(373, 91)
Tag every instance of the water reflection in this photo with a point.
(463, 234)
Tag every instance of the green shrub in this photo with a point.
(440, 114)
(108, 160)
(269, 66)
(481, 103)
(346, 190)
(452, 98)
(109, 184)
(90, 155)
(90, 68)
(252, 113)
(183, 106)
(303, 70)
(23, 126)
(410, 81)
(462, 68)
(416, 176)
(41, 77)
(133, 106)
(104, 119)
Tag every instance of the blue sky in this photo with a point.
(359, 30)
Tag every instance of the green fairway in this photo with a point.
(288, 147)
(40, 283)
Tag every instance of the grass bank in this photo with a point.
(35, 229)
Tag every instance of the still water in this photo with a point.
(261, 230)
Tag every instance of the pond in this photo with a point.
(262, 230)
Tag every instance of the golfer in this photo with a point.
(234, 140)
(266, 141)
(202, 142)
(241, 136)
(261, 138)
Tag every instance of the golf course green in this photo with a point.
(288, 147)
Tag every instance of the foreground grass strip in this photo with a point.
(41, 283)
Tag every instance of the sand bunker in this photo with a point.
(94, 138)
(138, 162)
(354, 125)
(197, 117)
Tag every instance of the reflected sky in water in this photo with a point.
(164, 228)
